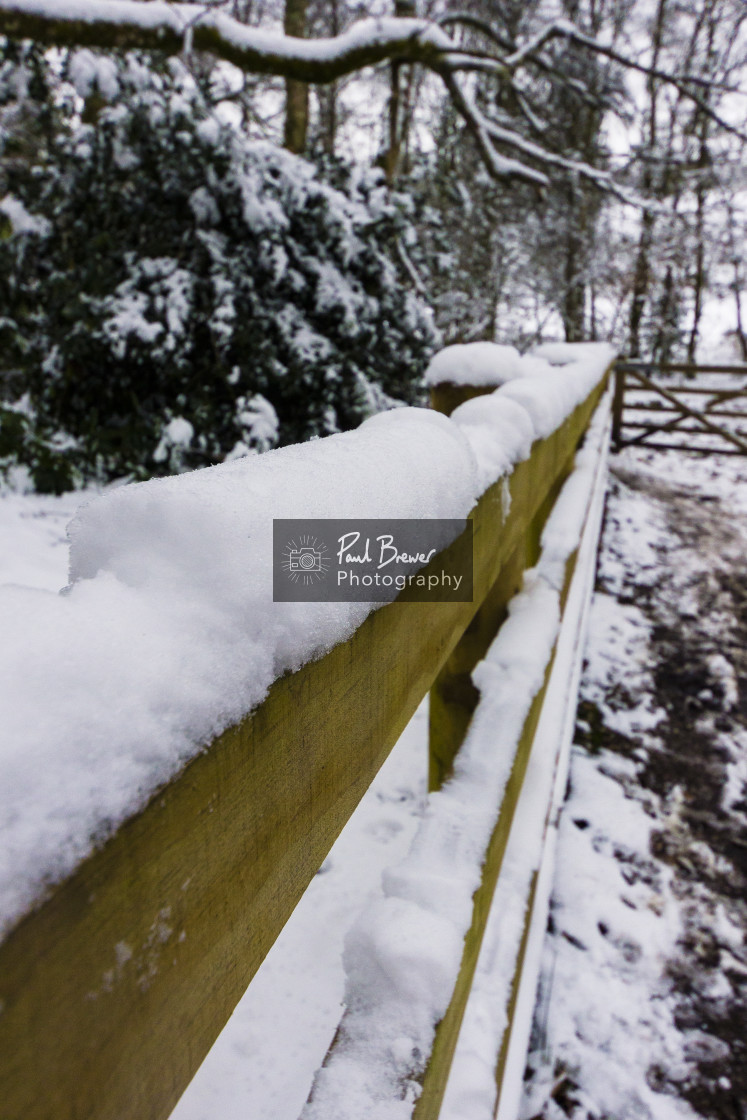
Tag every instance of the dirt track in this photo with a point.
(690, 777)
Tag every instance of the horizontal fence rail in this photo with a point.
(684, 408)
(529, 806)
(116, 986)
(554, 738)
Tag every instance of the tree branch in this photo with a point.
(157, 26)
(681, 82)
(466, 19)
(499, 166)
(601, 179)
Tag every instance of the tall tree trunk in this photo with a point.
(699, 276)
(327, 95)
(575, 295)
(704, 160)
(296, 93)
(641, 278)
(666, 334)
(391, 157)
(741, 336)
(642, 273)
(738, 282)
(592, 310)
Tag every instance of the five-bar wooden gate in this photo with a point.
(676, 413)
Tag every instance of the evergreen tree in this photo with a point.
(176, 294)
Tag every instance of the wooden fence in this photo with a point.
(113, 990)
(648, 409)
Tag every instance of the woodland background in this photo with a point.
(199, 262)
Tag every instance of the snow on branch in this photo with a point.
(157, 25)
(499, 166)
(172, 28)
(486, 131)
(531, 53)
(600, 178)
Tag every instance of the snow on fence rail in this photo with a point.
(182, 752)
(484, 845)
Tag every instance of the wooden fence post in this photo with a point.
(453, 696)
(617, 407)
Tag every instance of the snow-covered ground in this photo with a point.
(642, 1012)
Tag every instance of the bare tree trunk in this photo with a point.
(296, 93)
(704, 160)
(737, 283)
(641, 278)
(699, 277)
(574, 297)
(592, 310)
(642, 274)
(581, 209)
(391, 157)
(328, 118)
(666, 322)
(327, 95)
(741, 336)
(408, 108)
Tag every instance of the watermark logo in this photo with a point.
(306, 560)
(372, 560)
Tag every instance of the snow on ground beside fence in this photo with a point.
(167, 633)
(642, 1003)
(402, 956)
(262, 1064)
(522, 894)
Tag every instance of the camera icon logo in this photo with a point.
(306, 560)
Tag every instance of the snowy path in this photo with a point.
(642, 1013)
